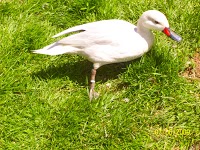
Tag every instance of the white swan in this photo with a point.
(110, 41)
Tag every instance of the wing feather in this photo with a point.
(86, 39)
(92, 26)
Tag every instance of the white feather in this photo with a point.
(109, 41)
(55, 49)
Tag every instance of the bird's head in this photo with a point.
(155, 20)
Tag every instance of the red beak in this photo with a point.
(172, 34)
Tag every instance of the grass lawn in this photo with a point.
(143, 104)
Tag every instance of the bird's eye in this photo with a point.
(156, 22)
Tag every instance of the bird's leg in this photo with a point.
(92, 93)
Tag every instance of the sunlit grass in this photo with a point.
(143, 104)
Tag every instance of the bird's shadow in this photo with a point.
(80, 71)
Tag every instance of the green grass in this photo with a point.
(44, 102)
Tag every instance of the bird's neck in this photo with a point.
(145, 33)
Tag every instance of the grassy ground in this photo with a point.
(143, 104)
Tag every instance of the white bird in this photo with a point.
(110, 41)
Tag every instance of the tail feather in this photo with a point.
(55, 49)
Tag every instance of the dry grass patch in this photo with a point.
(192, 71)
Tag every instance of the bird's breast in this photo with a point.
(116, 50)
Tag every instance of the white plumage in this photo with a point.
(110, 41)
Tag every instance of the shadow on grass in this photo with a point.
(80, 71)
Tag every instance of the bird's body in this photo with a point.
(102, 42)
(110, 41)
